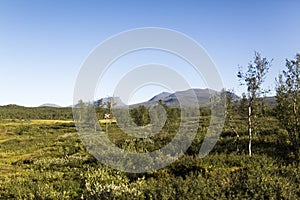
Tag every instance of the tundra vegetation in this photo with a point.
(42, 156)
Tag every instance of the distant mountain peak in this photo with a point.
(159, 96)
(50, 105)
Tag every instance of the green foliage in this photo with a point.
(255, 75)
(288, 100)
(140, 115)
(104, 183)
(243, 106)
(48, 161)
(26, 113)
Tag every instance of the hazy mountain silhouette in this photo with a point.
(50, 105)
(186, 97)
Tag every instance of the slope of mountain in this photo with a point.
(185, 97)
(159, 96)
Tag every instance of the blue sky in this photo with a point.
(44, 43)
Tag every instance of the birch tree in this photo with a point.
(253, 79)
(288, 100)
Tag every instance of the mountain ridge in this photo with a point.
(52, 105)
(170, 99)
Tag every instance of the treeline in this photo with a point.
(27, 113)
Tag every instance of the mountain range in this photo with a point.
(172, 99)
(185, 97)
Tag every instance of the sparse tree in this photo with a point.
(253, 79)
(110, 104)
(243, 106)
(229, 115)
(99, 103)
(79, 107)
(140, 115)
(288, 100)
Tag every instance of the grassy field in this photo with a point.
(45, 159)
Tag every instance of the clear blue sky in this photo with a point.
(44, 43)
